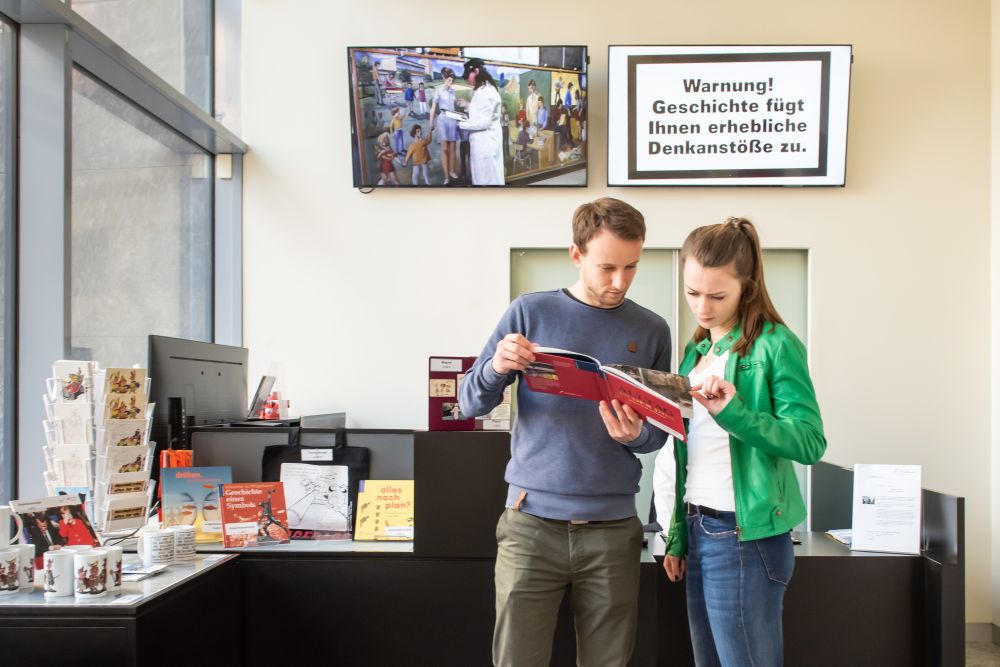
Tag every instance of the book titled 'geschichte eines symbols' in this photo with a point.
(254, 514)
(663, 399)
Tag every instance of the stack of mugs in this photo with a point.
(166, 546)
(17, 561)
(84, 572)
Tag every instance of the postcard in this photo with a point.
(125, 382)
(124, 433)
(73, 423)
(124, 406)
(71, 380)
(55, 521)
(122, 459)
(442, 388)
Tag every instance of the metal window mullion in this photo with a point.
(44, 179)
(228, 256)
(8, 447)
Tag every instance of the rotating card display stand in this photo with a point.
(97, 441)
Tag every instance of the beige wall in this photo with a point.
(995, 310)
(352, 292)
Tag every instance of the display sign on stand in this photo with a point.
(887, 504)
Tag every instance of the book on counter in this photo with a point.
(385, 510)
(254, 514)
(841, 535)
(662, 398)
(191, 498)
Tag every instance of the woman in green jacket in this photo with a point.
(737, 496)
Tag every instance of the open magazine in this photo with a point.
(663, 399)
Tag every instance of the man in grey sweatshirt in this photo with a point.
(570, 519)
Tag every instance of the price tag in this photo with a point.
(317, 454)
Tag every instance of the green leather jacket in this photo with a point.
(772, 421)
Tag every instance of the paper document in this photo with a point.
(886, 508)
(842, 535)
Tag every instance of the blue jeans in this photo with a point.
(735, 592)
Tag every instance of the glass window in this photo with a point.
(228, 46)
(7, 99)
(173, 38)
(141, 237)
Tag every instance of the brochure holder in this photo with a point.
(97, 431)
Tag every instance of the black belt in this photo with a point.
(695, 510)
(575, 522)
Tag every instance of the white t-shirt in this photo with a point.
(709, 467)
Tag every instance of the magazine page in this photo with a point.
(657, 409)
(569, 354)
(565, 373)
(675, 388)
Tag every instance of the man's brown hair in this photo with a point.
(621, 219)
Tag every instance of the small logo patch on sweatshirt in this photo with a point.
(633, 348)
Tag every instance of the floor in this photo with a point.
(982, 654)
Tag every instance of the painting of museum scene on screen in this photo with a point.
(407, 104)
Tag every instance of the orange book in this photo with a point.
(253, 514)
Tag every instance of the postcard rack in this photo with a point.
(97, 441)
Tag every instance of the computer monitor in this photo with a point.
(210, 379)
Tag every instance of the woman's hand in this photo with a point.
(675, 567)
(622, 422)
(715, 394)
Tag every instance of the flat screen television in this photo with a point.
(728, 115)
(409, 104)
(209, 378)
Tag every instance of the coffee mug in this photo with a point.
(57, 573)
(184, 542)
(10, 570)
(6, 514)
(114, 567)
(27, 567)
(90, 574)
(156, 546)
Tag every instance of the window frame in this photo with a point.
(8, 444)
(51, 40)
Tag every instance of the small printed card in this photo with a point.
(124, 433)
(125, 382)
(72, 381)
(123, 459)
(73, 423)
